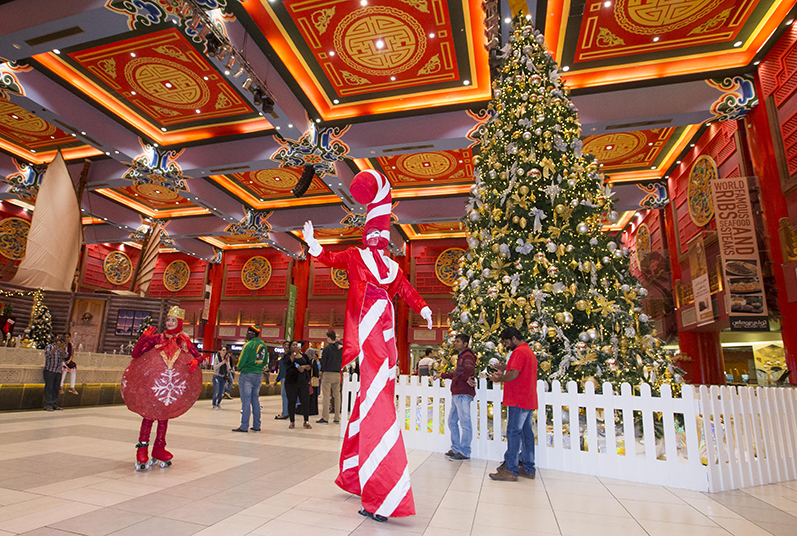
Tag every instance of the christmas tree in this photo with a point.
(147, 322)
(537, 258)
(41, 327)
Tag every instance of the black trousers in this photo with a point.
(301, 390)
(52, 382)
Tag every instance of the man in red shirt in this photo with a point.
(520, 396)
(462, 393)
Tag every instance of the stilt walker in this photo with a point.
(161, 382)
(373, 461)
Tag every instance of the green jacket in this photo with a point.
(253, 357)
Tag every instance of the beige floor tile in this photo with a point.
(663, 528)
(38, 504)
(11, 496)
(516, 517)
(66, 485)
(644, 492)
(322, 519)
(669, 512)
(489, 530)
(237, 525)
(740, 527)
(712, 508)
(573, 524)
(441, 531)
(278, 526)
(460, 500)
(452, 519)
(100, 522)
(608, 506)
(575, 487)
(93, 496)
(159, 526)
(47, 517)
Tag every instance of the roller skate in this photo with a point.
(161, 457)
(142, 456)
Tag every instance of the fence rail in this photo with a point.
(708, 439)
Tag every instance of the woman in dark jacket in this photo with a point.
(297, 383)
(315, 375)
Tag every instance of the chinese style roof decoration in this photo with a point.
(25, 183)
(318, 147)
(254, 225)
(353, 59)
(160, 84)
(157, 166)
(738, 97)
(623, 41)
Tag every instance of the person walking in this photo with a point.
(462, 393)
(221, 369)
(331, 362)
(297, 383)
(250, 377)
(315, 379)
(54, 354)
(286, 347)
(519, 376)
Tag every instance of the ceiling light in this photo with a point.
(788, 22)
(737, 44)
(466, 82)
(565, 68)
(239, 72)
(331, 53)
(154, 144)
(507, 20)
(277, 127)
(56, 51)
(380, 44)
(133, 54)
(163, 129)
(32, 150)
(132, 92)
(392, 77)
(290, 126)
(607, 4)
(655, 39)
(15, 116)
(74, 135)
(363, 2)
(83, 133)
(756, 63)
(205, 77)
(317, 120)
(677, 161)
(199, 111)
(691, 145)
(609, 147)
(652, 167)
(107, 153)
(650, 143)
(431, 35)
(335, 101)
(227, 73)
(116, 152)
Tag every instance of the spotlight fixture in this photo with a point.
(247, 83)
(203, 33)
(185, 9)
(194, 24)
(230, 62)
(241, 70)
(223, 51)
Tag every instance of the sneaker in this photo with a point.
(216, 408)
(322, 421)
(449, 453)
(336, 421)
(255, 429)
(524, 474)
(503, 475)
(458, 457)
(239, 430)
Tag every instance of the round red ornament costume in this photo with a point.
(161, 382)
(373, 461)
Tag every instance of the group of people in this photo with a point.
(58, 362)
(302, 375)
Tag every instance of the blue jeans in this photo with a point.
(218, 388)
(284, 398)
(460, 417)
(249, 386)
(518, 431)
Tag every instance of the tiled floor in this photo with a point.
(71, 472)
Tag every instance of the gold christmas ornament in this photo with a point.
(581, 305)
(537, 347)
(551, 333)
(524, 190)
(560, 318)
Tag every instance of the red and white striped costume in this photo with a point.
(373, 462)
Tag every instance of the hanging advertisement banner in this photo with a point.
(744, 296)
(701, 287)
(291, 312)
(206, 305)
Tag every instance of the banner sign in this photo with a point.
(291, 312)
(744, 296)
(701, 287)
(206, 305)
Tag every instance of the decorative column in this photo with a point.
(703, 347)
(403, 317)
(300, 277)
(216, 280)
(765, 165)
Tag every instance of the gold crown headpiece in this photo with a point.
(176, 312)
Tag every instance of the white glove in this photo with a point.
(426, 314)
(315, 247)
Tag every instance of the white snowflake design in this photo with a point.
(169, 386)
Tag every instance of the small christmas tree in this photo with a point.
(147, 322)
(41, 329)
(538, 259)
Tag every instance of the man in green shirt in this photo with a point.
(250, 368)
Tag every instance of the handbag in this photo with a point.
(223, 369)
(314, 381)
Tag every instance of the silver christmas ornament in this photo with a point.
(611, 246)
(582, 228)
(613, 216)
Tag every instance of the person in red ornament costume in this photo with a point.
(373, 462)
(161, 382)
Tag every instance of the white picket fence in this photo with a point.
(712, 439)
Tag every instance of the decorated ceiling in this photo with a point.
(203, 115)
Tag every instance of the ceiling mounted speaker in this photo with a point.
(304, 182)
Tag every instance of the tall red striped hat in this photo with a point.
(371, 188)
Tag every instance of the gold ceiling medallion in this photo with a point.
(446, 267)
(647, 17)
(402, 39)
(167, 83)
(13, 238)
(427, 165)
(614, 147)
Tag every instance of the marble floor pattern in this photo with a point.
(71, 472)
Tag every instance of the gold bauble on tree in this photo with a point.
(581, 305)
(551, 333)
(560, 318)
(524, 190)
(537, 347)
